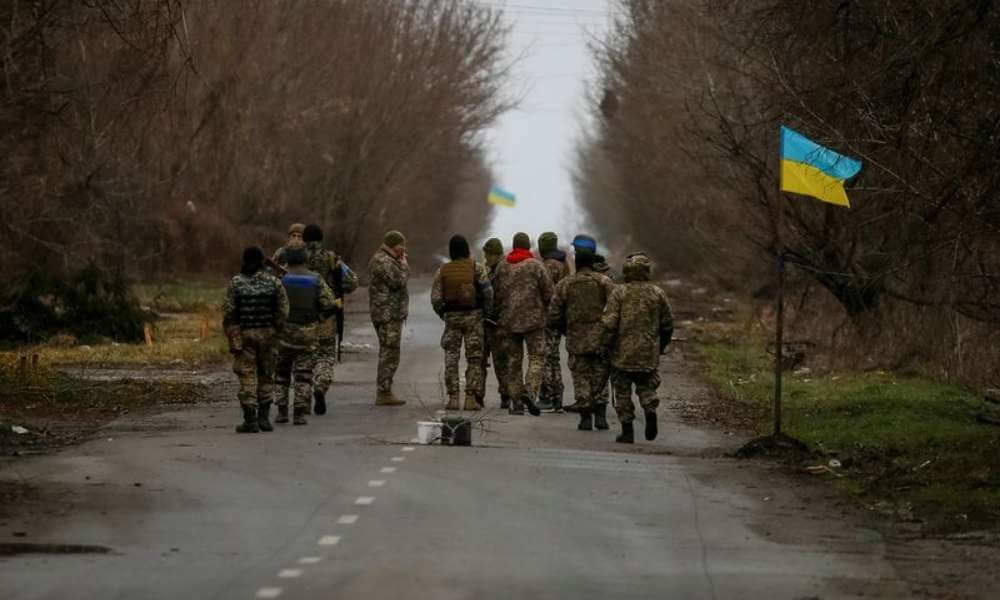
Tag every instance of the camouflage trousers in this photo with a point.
(254, 367)
(646, 383)
(326, 358)
(520, 383)
(495, 349)
(298, 361)
(590, 378)
(552, 384)
(468, 327)
(390, 335)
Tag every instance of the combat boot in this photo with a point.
(452, 403)
(470, 402)
(531, 406)
(585, 421)
(600, 417)
(282, 414)
(505, 402)
(627, 436)
(299, 417)
(264, 416)
(516, 408)
(320, 398)
(249, 424)
(651, 429)
(387, 398)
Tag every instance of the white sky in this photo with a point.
(532, 148)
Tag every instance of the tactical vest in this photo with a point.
(585, 300)
(303, 298)
(458, 285)
(256, 302)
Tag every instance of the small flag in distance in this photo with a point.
(500, 197)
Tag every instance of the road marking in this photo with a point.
(414, 440)
(388, 470)
(397, 458)
(310, 560)
(347, 519)
(376, 483)
(329, 540)
(268, 592)
(408, 448)
(289, 573)
(364, 500)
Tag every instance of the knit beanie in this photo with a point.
(393, 239)
(458, 247)
(493, 247)
(547, 242)
(253, 259)
(296, 228)
(522, 241)
(584, 243)
(312, 233)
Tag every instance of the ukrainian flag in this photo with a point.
(500, 197)
(812, 170)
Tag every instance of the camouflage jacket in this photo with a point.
(576, 310)
(635, 320)
(388, 299)
(260, 284)
(484, 292)
(335, 273)
(555, 264)
(305, 335)
(522, 294)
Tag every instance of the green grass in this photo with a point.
(905, 440)
(182, 296)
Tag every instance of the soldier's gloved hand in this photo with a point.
(665, 337)
(339, 303)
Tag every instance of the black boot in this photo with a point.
(320, 397)
(249, 424)
(651, 429)
(299, 416)
(282, 414)
(516, 407)
(531, 406)
(600, 417)
(627, 436)
(585, 421)
(505, 402)
(264, 416)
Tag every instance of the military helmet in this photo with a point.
(637, 267)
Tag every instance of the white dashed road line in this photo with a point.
(408, 448)
(329, 540)
(365, 500)
(388, 470)
(268, 592)
(376, 483)
(310, 560)
(290, 573)
(398, 458)
(347, 520)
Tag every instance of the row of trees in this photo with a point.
(688, 118)
(152, 136)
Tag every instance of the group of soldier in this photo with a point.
(520, 302)
(512, 304)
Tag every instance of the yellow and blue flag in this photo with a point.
(500, 197)
(813, 170)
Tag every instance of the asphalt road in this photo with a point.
(349, 507)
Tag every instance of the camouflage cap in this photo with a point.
(522, 241)
(637, 267)
(296, 228)
(393, 239)
(493, 247)
(547, 242)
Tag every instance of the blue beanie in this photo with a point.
(585, 243)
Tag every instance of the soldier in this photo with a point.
(637, 326)
(254, 311)
(389, 304)
(523, 291)
(493, 253)
(295, 231)
(310, 302)
(554, 259)
(460, 295)
(342, 281)
(576, 311)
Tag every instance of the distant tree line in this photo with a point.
(160, 136)
(688, 110)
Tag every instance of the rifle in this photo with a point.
(340, 329)
(278, 269)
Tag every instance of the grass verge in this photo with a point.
(908, 445)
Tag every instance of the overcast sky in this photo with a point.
(531, 149)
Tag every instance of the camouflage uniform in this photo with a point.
(255, 308)
(311, 303)
(637, 326)
(466, 324)
(551, 393)
(342, 281)
(576, 311)
(389, 304)
(493, 347)
(523, 291)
